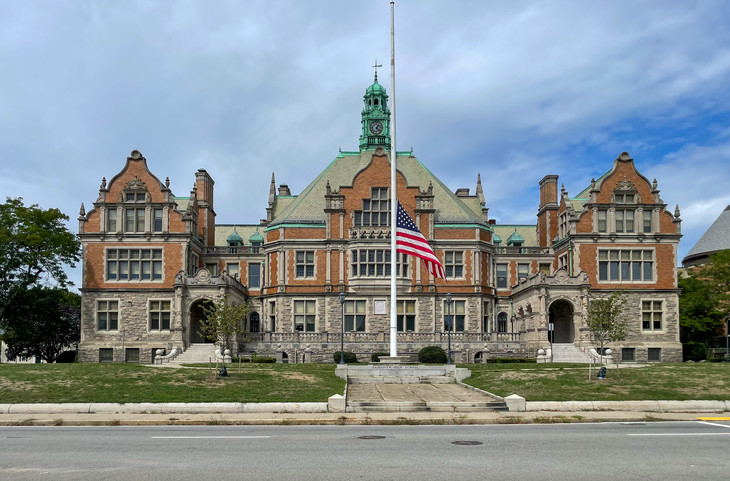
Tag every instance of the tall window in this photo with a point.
(625, 265)
(501, 276)
(254, 275)
(304, 315)
(232, 269)
(376, 263)
(406, 316)
(523, 270)
(646, 215)
(454, 264)
(133, 220)
(651, 315)
(272, 316)
(355, 316)
(624, 221)
(502, 322)
(457, 316)
(375, 210)
(602, 220)
(212, 268)
(157, 220)
(254, 322)
(485, 316)
(133, 264)
(107, 315)
(159, 315)
(111, 220)
(304, 264)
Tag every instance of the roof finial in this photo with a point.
(376, 69)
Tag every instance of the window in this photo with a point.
(106, 354)
(563, 261)
(485, 317)
(375, 210)
(255, 246)
(131, 355)
(628, 354)
(304, 315)
(304, 264)
(501, 276)
(159, 314)
(502, 322)
(523, 270)
(625, 198)
(254, 275)
(107, 315)
(454, 264)
(406, 316)
(646, 215)
(133, 220)
(545, 269)
(232, 269)
(254, 322)
(651, 315)
(654, 354)
(111, 220)
(625, 265)
(457, 316)
(212, 268)
(272, 316)
(355, 316)
(194, 263)
(624, 221)
(602, 220)
(157, 220)
(133, 264)
(134, 197)
(376, 263)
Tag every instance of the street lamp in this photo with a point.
(342, 331)
(449, 322)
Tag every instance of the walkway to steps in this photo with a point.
(388, 397)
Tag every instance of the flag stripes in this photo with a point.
(410, 241)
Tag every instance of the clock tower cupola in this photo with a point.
(375, 116)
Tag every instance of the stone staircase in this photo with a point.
(196, 353)
(568, 352)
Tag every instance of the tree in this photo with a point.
(42, 322)
(606, 320)
(223, 321)
(699, 316)
(35, 245)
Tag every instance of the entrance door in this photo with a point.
(561, 315)
(196, 314)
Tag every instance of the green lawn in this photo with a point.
(565, 382)
(127, 383)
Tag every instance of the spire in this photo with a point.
(375, 116)
(480, 191)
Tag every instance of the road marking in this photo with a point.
(680, 434)
(211, 437)
(715, 424)
(715, 419)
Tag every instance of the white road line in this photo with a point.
(212, 437)
(715, 424)
(680, 434)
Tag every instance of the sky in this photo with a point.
(512, 90)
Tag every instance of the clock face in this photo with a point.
(376, 127)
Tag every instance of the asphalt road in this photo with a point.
(617, 451)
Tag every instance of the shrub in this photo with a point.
(432, 355)
(694, 351)
(265, 359)
(66, 357)
(375, 357)
(350, 357)
(509, 360)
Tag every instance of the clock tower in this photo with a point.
(375, 117)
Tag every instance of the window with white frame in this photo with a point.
(456, 314)
(485, 316)
(157, 220)
(159, 315)
(133, 264)
(111, 220)
(354, 316)
(502, 276)
(134, 220)
(646, 221)
(454, 264)
(305, 315)
(135, 197)
(651, 315)
(304, 264)
(375, 210)
(233, 269)
(625, 198)
(602, 219)
(212, 268)
(523, 270)
(376, 263)
(624, 221)
(406, 318)
(625, 265)
(107, 315)
(254, 275)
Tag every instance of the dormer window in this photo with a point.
(625, 198)
(134, 197)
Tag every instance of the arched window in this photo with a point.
(254, 322)
(502, 322)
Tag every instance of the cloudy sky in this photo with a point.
(512, 90)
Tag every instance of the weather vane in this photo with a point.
(376, 69)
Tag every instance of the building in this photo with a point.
(715, 239)
(152, 260)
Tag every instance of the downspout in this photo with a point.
(570, 257)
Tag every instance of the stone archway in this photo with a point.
(561, 315)
(197, 313)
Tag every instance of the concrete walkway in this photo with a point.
(376, 392)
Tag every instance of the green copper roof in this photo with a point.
(375, 89)
(234, 237)
(256, 237)
(515, 238)
(528, 232)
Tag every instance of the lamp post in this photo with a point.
(449, 322)
(342, 331)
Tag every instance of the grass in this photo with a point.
(127, 383)
(566, 382)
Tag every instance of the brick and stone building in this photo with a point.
(153, 259)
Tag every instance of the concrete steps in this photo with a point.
(400, 380)
(568, 352)
(425, 406)
(196, 353)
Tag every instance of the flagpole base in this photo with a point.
(393, 359)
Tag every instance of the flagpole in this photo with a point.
(393, 196)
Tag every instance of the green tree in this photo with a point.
(699, 315)
(223, 321)
(35, 245)
(42, 322)
(606, 320)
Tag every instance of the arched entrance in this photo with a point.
(254, 323)
(561, 315)
(197, 312)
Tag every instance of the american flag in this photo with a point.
(410, 241)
